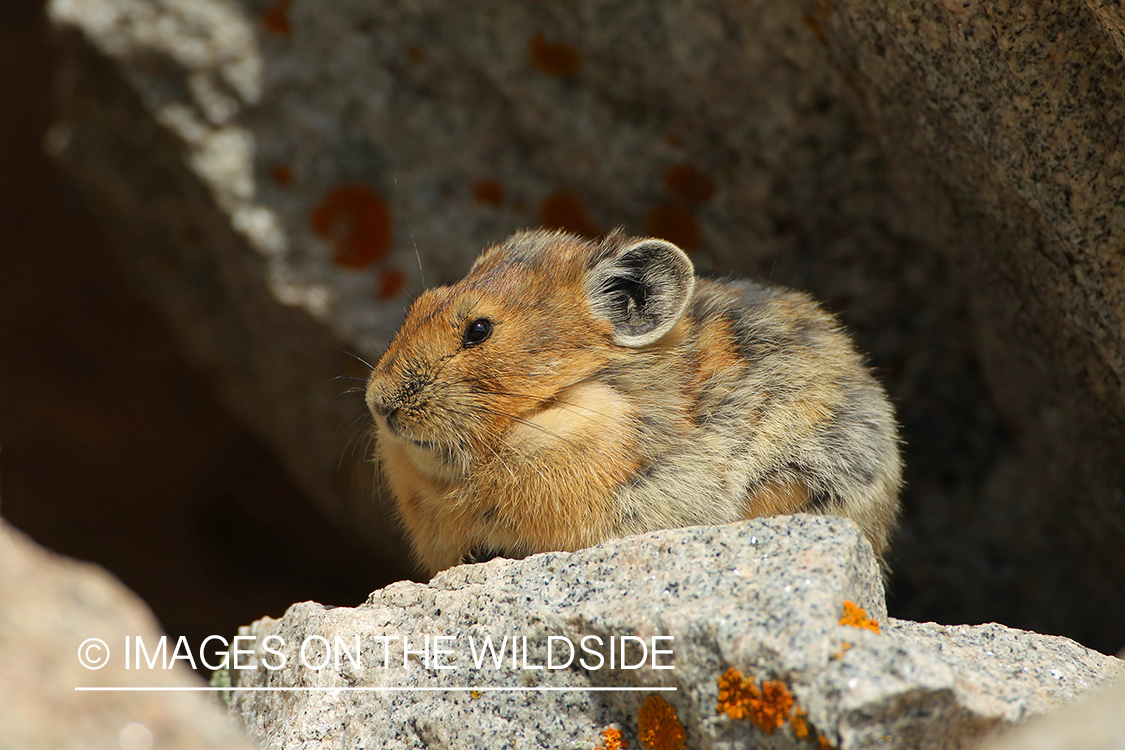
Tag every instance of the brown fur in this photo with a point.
(595, 410)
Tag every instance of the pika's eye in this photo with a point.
(476, 332)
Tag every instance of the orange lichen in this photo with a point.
(687, 182)
(489, 193)
(812, 25)
(844, 647)
(673, 223)
(772, 711)
(282, 175)
(767, 707)
(276, 18)
(823, 743)
(612, 740)
(855, 616)
(357, 223)
(391, 282)
(553, 58)
(565, 211)
(736, 694)
(658, 727)
(799, 719)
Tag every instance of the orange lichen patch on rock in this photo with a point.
(800, 722)
(658, 726)
(773, 710)
(767, 707)
(282, 175)
(736, 694)
(823, 743)
(812, 25)
(276, 18)
(844, 648)
(612, 740)
(357, 223)
(672, 223)
(565, 211)
(687, 182)
(489, 193)
(855, 616)
(391, 282)
(553, 58)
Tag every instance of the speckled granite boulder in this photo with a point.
(49, 608)
(274, 170)
(1003, 125)
(763, 597)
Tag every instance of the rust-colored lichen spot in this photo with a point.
(772, 711)
(565, 211)
(855, 616)
(800, 721)
(658, 728)
(675, 224)
(489, 193)
(282, 175)
(391, 282)
(812, 25)
(612, 740)
(276, 18)
(687, 182)
(553, 58)
(844, 648)
(736, 693)
(416, 53)
(767, 707)
(357, 223)
(823, 743)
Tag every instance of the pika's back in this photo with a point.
(567, 391)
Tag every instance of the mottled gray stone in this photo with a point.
(1096, 722)
(762, 596)
(49, 607)
(1003, 123)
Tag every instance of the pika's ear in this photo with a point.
(641, 288)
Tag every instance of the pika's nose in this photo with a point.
(377, 401)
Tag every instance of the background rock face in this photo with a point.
(764, 597)
(946, 177)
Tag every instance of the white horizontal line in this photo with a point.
(379, 689)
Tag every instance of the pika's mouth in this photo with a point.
(396, 432)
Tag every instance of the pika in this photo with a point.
(569, 391)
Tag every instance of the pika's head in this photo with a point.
(537, 314)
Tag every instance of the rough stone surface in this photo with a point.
(1096, 722)
(49, 606)
(763, 596)
(1003, 124)
(947, 176)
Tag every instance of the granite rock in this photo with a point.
(1002, 125)
(764, 597)
(49, 608)
(1095, 722)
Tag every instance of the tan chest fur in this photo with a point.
(566, 392)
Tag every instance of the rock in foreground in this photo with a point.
(764, 597)
(51, 609)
